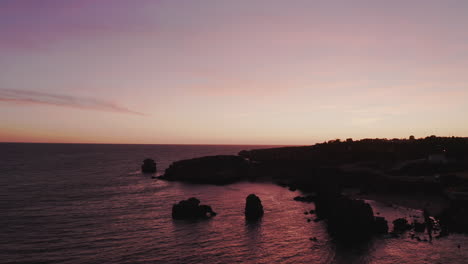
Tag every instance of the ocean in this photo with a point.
(89, 203)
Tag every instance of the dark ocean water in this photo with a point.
(67, 203)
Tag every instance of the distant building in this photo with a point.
(411, 137)
(349, 140)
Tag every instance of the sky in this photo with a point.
(231, 72)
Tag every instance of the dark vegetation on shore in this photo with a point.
(431, 165)
(428, 165)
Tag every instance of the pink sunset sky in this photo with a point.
(231, 72)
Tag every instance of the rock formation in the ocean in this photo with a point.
(149, 166)
(401, 225)
(419, 227)
(253, 207)
(455, 217)
(221, 169)
(346, 218)
(380, 225)
(191, 209)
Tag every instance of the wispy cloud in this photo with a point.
(41, 98)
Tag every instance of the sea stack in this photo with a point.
(253, 207)
(149, 166)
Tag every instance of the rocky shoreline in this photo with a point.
(373, 166)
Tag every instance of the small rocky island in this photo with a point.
(191, 209)
(149, 166)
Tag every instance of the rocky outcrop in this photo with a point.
(221, 169)
(401, 225)
(253, 207)
(149, 166)
(419, 227)
(455, 217)
(347, 219)
(191, 209)
(380, 225)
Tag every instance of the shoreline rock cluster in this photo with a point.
(400, 166)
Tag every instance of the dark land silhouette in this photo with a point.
(431, 165)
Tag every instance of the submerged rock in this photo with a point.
(253, 207)
(149, 166)
(222, 169)
(191, 209)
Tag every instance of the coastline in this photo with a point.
(395, 172)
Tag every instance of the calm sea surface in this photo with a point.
(67, 203)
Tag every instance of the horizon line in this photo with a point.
(222, 144)
(163, 144)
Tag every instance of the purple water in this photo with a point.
(65, 203)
